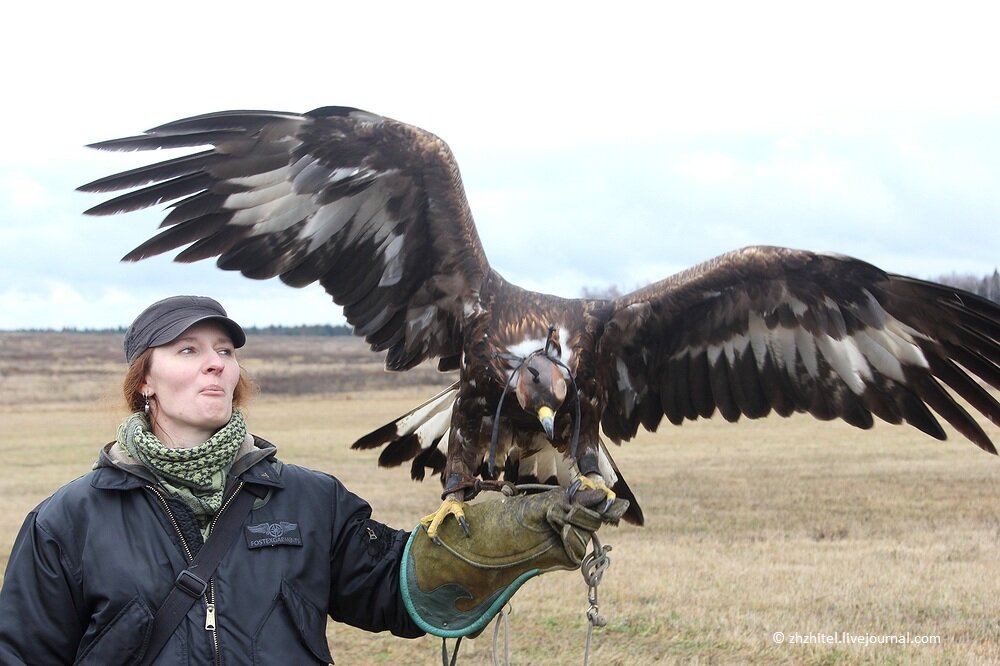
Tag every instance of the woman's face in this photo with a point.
(190, 383)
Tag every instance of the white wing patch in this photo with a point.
(781, 341)
(875, 345)
(849, 366)
(857, 359)
(758, 334)
(904, 346)
(274, 215)
(257, 196)
(416, 322)
(393, 258)
(624, 380)
(625, 388)
(262, 180)
(329, 220)
(805, 345)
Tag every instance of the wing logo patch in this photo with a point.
(280, 533)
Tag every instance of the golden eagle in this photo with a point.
(374, 210)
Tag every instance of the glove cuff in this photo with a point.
(435, 611)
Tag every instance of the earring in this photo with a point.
(145, 407)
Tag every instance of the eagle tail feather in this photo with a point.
(620, 487)
(415, 436)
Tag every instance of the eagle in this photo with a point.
(374, 210)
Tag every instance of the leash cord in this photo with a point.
(504, 617)
(593, 566)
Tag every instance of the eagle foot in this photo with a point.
(468, 487)
(585, 483)
(451, 506)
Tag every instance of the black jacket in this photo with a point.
(94, 561)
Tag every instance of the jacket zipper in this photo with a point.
(211, 620)
(208, 598)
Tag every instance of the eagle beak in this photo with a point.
(547, 418)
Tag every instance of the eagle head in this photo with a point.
(541, 389)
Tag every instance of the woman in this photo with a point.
(99, 568)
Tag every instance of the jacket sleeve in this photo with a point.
(365, 560)
(40, 601)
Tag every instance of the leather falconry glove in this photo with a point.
(454, 585)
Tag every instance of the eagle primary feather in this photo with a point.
(374, 210)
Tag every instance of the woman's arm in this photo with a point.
(40, 602)
(365, 561)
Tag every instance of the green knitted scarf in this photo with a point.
(197, 474)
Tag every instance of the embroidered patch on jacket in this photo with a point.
(281, 533)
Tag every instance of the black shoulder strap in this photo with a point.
(192, 582)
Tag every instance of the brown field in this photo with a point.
(816, 530)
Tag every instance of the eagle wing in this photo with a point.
(771, 329)
(371, 208)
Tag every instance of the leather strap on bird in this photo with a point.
(454, 585)
(544, 351)
(470, 486)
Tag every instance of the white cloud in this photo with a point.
(20, 194)
(599, 146)
(709, 168)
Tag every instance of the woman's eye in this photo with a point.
(226, 352)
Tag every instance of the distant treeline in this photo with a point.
(304, 329)
(987, 287)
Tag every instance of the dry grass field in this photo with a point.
(827, 534)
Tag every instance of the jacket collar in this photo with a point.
(255, 464)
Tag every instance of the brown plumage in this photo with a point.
(374, 210)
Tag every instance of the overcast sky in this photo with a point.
(598, 147)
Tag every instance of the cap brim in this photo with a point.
(174, 331)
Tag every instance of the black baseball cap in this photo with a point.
(164, 321)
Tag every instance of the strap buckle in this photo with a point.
(190, 584)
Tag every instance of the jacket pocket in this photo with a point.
(123, 640)
(293, 626)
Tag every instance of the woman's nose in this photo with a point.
(214, 363)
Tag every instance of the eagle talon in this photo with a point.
(584, 482)
(449, 507)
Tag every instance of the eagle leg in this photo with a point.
(592, 482)
(451, 506)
